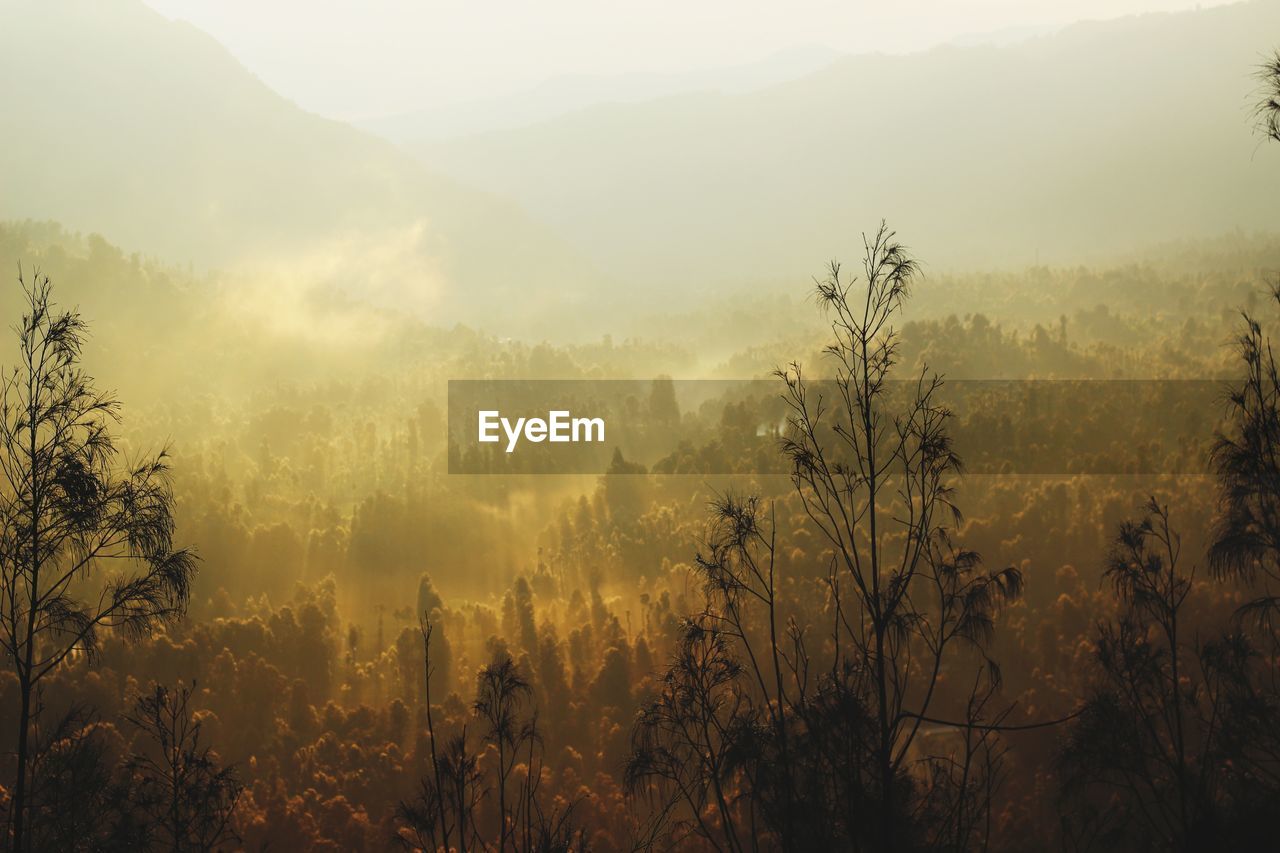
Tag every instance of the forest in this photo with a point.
(974, 561)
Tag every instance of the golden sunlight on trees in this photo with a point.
(186, 796)
(447, 810)
(1176, 742)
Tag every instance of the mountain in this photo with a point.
(120, 121)
(1004, 36)
(573, 92)
(1065, 148)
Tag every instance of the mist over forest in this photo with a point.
(247, 602)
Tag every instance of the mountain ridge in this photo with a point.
(147, 130)
(1055, 148)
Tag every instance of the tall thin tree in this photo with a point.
(1175, 746)
(186, 794)
(748, 746)
(500, 691)
(86, 542)
(876, 477)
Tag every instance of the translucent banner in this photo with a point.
(688, 427)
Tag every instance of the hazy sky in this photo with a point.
(365, 58)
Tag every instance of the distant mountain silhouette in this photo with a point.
(1063, 148)
(118, 120)
(573, 92)
(1066, 148)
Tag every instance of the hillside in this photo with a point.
(1065, 148)
(570, 93)
(119, 121)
